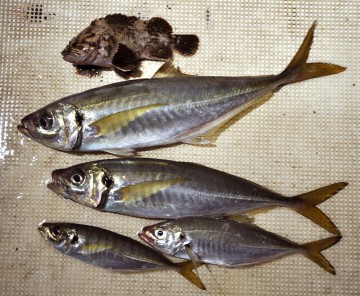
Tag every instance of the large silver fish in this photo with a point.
(110, 250)
(163, 189)
(229, 243)
(125, 116)
(121, 42)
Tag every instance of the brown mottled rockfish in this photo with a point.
(121, 42)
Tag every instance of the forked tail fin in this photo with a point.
(306, 205)
(313, 249)
(299, 70)
(186, 270)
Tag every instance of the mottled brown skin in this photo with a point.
(120, 43)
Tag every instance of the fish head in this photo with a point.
(85, 184)
(57, 126)
(62, 236)
(81, 50)
(95, 45)
(165, 237)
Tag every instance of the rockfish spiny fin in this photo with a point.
(307, 202)
(145, 189)
(299, 70)
(117, 121)
(313, 249)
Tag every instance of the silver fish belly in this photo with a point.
(228, 243)
(163, 189)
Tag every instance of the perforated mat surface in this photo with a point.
(305, 137)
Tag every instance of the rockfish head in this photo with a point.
(57, 126)
(61, 236)
(165, 237)
(93, 46)
(85, 184)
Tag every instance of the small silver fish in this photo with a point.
(163, 189)
(125, 116)
(229, 243)
(120, 43)
(110, 250)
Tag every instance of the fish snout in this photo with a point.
(146, 236)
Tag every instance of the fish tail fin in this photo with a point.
(186, 45)
(306, 205)
(298, 70)
(313, 249)
(186, 270)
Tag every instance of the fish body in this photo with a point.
(120, 43)
(163, 189)
(110, 250)
(122, 117)
(228, 243)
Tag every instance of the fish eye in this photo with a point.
(46, 121)
(78, 177)
(92, 44)
(55, 231)
(159, 233)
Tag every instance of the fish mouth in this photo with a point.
(57, 185)
(145, 237)
(42, 228)
(24, 130)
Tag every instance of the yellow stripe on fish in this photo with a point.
(117, 121)
(145, 189)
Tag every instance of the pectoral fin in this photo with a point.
(145, 189)
(117, 121)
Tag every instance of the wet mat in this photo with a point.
(305, 137)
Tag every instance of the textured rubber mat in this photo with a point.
(305, 137)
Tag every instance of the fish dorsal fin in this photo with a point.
(169, 70)
(117, 121)
(120, 19)
(143, 190)
(158, 25)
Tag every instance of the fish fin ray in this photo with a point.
(298, 70)
(125, 59)
(116, 121)
(185, 269)
(186, 45)
(145, 189)
(88, 70)
(169, 70)
(162, 53)
(210, 136)
(313, 249)
(308, 201)
(120, 19)
(158, 25)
